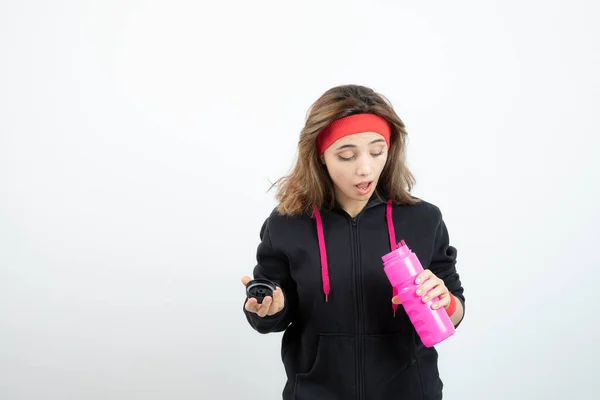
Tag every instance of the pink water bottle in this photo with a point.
(401, 267)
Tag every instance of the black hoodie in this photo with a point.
(344, 339)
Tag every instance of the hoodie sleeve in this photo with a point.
(273, 264)
(443, 263)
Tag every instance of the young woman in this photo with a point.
(340, 210)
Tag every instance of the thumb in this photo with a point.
(245, 280)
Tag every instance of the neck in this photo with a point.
(352, 207)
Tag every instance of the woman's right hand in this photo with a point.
(269, 306)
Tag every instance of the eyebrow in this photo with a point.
(346, 146)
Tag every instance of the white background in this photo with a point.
(138, 140)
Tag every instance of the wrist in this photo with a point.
(451, 307)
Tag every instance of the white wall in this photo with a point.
(138, 139)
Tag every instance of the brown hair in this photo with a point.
(309, 184)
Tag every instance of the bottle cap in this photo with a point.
(259, 289)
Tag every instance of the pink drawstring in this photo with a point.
(393, 244)
(324, 266)
(323, 251)
(390, 222)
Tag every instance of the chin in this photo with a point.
(359, 196)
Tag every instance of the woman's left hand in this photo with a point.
(430, 286)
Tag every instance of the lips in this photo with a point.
(364, 187)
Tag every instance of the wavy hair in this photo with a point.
(309, 183)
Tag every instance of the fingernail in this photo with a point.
(419, 292)
(426, 298)
(418, 281)
(436, 305)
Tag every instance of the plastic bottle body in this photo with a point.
(432, 325)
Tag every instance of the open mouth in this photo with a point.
(364, 187)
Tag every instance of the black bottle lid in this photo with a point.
(259, 289)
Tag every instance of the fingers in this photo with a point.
(427, 286)
(442, 302)
(277, 302)
(423, 276)
(252, 305)
(245, 280)
(396, 300)
(269, 306)
(431, 288)
(263, 308)
(433, 293)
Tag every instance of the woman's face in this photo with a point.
(355, 163)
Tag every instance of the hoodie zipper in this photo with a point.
(359, 302)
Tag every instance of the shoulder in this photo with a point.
(422, 210)
(277, 223)
(422, 217)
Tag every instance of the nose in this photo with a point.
(364, 167)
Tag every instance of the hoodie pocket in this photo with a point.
(391, 369)
(333, 374)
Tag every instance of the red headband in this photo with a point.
(350, 125)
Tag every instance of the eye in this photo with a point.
(346, 156)
(378, 154)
